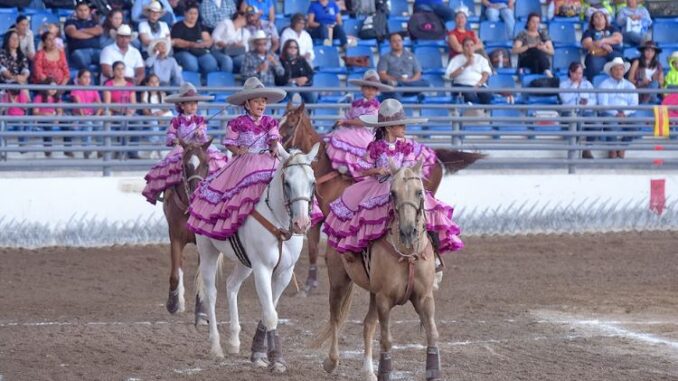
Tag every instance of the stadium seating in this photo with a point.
(430, 59)
(563, 34)
(500, 81)
(439, 97)
(327, 59)
(40, 18)
(220, 79)
(524, 7)
(192, 77)
(358, 51)
(327, 80)
(507, 125)
(562, 58)
(633, 53)
(493, 34)
(400, 10)
(291, 7)
(436, 125)
(598, 79)
(665, 33)
(473, 16)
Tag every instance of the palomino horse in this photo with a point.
(271, 245)
(195, 167)
(298, 132)
(397, 268)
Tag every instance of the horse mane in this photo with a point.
(454, 161)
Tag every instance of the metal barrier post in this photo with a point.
(456, 127)
(3, 127)
(107, 146)
(572, 153)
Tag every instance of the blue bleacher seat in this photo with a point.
(63, 12)
(436, 125)
(507, 125)
(6, 20)
(598, 79)
(450, 25)
(327, 59)
(524, 7)
(473, 17)
(501, 81)
(438, 97)
(192, 77)
(396, 25)
(664, 32)
(325, 125)
(562, 58)
(31, 11)
(352, 26)
(327, 80)
(357, 51)
(220, 79)
(493, 34)
(400, 10)
(430, 59)
(38, 19)
(563, 34)
(281, 24)
(633, 53)
(519, 27)
(291, 7)
(664, 56)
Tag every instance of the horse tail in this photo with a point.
(198, 282)
(454, 160)
(342, 314)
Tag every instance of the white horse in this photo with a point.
(286, 202)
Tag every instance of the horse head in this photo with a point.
(407, 195)
(195, 164)
(298, 185)
(296, 129)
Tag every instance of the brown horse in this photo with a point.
(298, 132)
(397, 268)
(195, 167)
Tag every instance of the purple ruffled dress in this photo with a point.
(364, 211)
(223, 201)
(167, 173)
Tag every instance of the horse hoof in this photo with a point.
(370, 376)
(330, 365)
(278, 367)
(233, 349)
(218, 353)
(201, 319)
(173, 302)
(259, 360)
(437, 280)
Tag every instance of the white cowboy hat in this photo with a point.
(617, 61)
(187, 93)
(154, 6)
(253, 88)
(391, 113)
(259, 35)
(124, 30)
(151, 46)
(673, 56)
(371, 79)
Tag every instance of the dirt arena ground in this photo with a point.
(588, 307)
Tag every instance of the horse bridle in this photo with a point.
(418, 208)
(186, 181)
(292, 138)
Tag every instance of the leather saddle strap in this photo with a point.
(279, 234)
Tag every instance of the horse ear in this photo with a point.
(392, 167)
(290, 106)
(282, 154)
(417, 167)
(313, 152)
(207, 144)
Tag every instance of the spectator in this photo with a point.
(647, 72)
(192, 43)
(442, 10)
(56, 32)
(576, 80)
(400, 67)
(296, 32)
(26, 38)
(470, 69)
(603, 43)
(324, 16)
(616, 70)
(13, 63)
(567, 8)
(298, 72)
(82, 35)
(533, 47)
(503, 8)
(231, 42)
(671, 80)
(456, 36)
(50, 62)
(266, 8)
(154, 98)
(260, 62)
(255, 23)
(84, 97)
(213, 11)
(153, 27)
(167, 5)
(113, 21)
(121, 50)
(17, 97)
(49, 96)
(634, 20)
(162, 65)
(112, 97)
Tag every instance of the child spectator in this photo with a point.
(671, 79)
(16, 97)
(154, 97)
(84, 97)
(49, 96)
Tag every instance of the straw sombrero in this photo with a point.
(187, 93)
(391, 113)
(154, 6)
(151, 46)
(617, 61)
(253, 88)
(259, 35)
(371, 79)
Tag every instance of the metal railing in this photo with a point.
(540, 136)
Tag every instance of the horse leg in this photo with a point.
(175, 300)
(209, 263)
(369, 326)
(425, 307)
(233, 283)
(275, 358)
(341, 287)
(313, 239)
(384, 306)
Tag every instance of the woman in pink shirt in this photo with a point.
(49, 97)
(124, 97)
(83, 97)
(15, 96)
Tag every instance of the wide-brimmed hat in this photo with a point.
(673, 57)
(371, 79)
(154, 6)
(650, 45)
(124, 30)
(187, 93)
(617, 61)
(151, 46)
(253, 88)
(259, 35)
(391, 113)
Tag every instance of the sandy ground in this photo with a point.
(589, 307)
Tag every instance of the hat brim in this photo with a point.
(271, 95)
(175, 98)
(655, 48)
(151, 46)
(373, 121)
(608, 66)
(379, 86)
(148, 10)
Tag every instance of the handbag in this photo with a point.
(234, 50)
(356, 61)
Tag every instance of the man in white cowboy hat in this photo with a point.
(123, 51)
(153, 27)
(139, 11)
(260, 62)
(618, 100)
(470, 69)
(162, 64)
(255, 23)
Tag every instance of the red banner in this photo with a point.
(657, 195)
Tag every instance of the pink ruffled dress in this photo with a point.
(364, 211)
(224, 200)
(167, 173)
(347, 145)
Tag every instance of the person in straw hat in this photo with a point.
(362, 213)
(223, 201)
(260, 62)
(187, 127)
(123, 51)
(162, 64)
(347, 144)
(646, 72)
(622, 102)
(153, 27)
